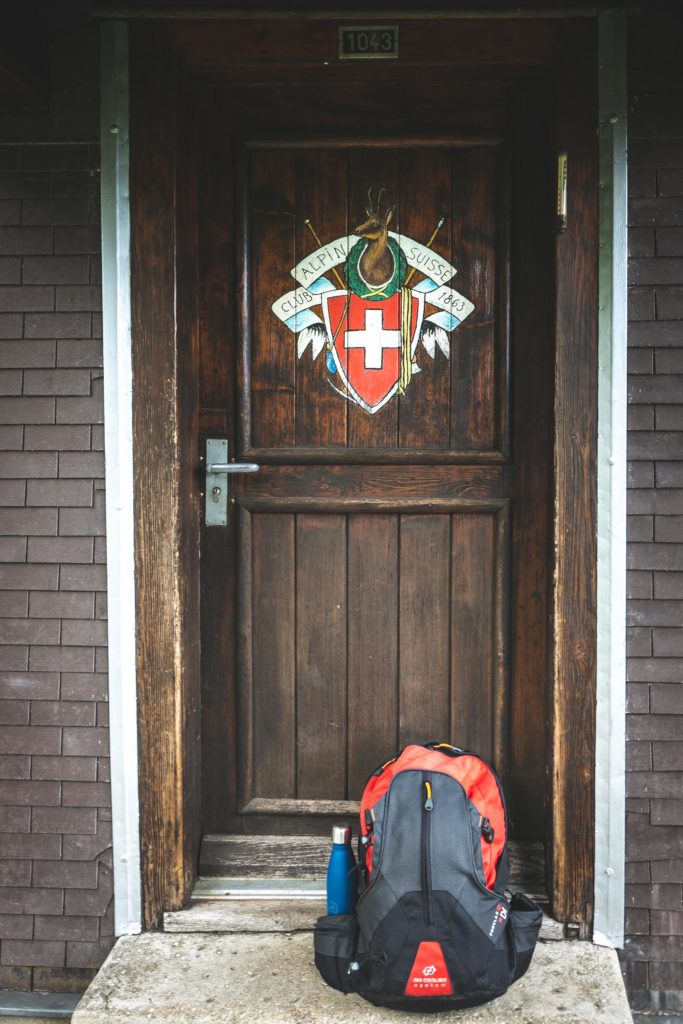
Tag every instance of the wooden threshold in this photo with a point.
(238, 867)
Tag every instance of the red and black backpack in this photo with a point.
(434, 927)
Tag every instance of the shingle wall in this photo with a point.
(654, 892)
(55, 832)
(56, 921)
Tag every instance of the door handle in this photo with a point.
(232, 467)
(216, 490)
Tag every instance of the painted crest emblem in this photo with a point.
(370, 325)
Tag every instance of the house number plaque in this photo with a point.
(368, 42)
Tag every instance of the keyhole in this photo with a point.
(216, 493)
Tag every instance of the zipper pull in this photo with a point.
(487, 830)
(429, 803)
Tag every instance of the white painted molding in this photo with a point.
(118, 446)
(610, 789)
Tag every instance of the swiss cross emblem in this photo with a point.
(370, 321)
(372, 353)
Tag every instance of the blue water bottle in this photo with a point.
(341, 873)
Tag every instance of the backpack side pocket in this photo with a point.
(334, 943)
(525, 922)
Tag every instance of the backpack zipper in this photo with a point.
(447, 748)
(426, 846)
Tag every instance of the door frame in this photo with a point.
(149, 363)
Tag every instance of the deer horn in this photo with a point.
(372, 209)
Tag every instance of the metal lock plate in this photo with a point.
(218, 471)
(216, 488)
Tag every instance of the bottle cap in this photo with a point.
(341, 833)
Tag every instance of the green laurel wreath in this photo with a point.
(359, 287)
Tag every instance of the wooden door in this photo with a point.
(521, 436)
(375, 331)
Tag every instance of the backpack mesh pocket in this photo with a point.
(525, 922)
(334, 943)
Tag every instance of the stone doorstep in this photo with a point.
(273, 915)
(240, 978)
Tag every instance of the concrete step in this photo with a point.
(235, 978)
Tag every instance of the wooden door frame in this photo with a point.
(167, 498)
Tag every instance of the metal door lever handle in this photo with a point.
(232, 467)
(217, 480)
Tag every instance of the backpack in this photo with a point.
(433, 927)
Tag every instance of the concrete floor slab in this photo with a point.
(238, 978)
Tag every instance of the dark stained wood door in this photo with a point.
(382, 579)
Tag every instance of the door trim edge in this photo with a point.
(610, 795)
(118, 432)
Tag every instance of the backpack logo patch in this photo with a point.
(429, 974)
(499, 919)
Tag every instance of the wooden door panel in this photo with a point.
(366, 630)
(373, 581)
(456, 402)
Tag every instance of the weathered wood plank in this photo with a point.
(361, 481)
(188, 629)
(321, 179)
(574, 499)
(216, 307)
(321, 716)
(270, 219)
(533, 326)
(273, 679)
(424, 411)
(477, 226)
(304, 858)
(242, 785)
(424, 619)
(165, 529)
(372, 643)
(472, 634)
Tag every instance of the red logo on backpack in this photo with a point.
(429, 974)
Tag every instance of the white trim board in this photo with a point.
(610, 795)
(118, 445)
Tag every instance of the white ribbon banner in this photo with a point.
(293, 308)
(450, 300)
(425, 260)
(299, 299)
(323, 259)
(333, 253)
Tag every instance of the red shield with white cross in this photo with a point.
(367, 340)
